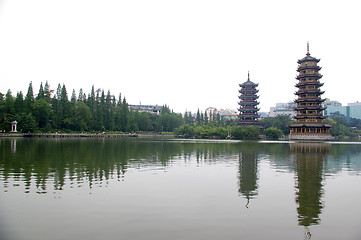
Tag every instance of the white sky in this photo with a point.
(188, 54)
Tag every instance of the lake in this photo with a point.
(165, 188)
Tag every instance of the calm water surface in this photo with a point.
(178, 189)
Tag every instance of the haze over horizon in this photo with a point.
(186, 54)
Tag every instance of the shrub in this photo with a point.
(273, 133)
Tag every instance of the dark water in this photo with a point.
(178, 189)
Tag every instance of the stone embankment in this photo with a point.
(65, 135)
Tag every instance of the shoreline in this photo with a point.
(77, 135)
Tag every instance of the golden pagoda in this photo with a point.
(309, 123)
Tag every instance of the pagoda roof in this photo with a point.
(320, 124)
(248, 83)
(308, 57)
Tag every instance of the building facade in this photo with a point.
(283, 109)
(352, 110)
(309, 117)
(153, 109)
(248, 111)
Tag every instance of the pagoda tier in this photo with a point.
(313, 91)
(308, 67)
(248, 103)
(304, 83)
(314, 116)
(305, 108)
(315, 100)
(309, 75)
(248, 111)
(309, 118)
(248, 97)
(248, 91)
(311, 106)
(249, 84)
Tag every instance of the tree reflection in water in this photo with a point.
(52, 165)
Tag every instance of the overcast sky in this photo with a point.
(186, 54)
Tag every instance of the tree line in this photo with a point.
(270, 128)
(219, 128)
(49, 111)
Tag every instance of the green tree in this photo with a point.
(273, 133)
(251, 132)
(73, 97)
(82, 116)
(132, 121)
(27, 123)
(42, 112)
(47, 92)
(9, 103)
(81, 96)
(65, 109)
(237, 132)
(167, 121)
(41, 94)
(19, 103)
(187, 118)
(144, 121)
(29, 99)
(185, 130)
(124, 112)
(281, 122)
(109, 112)
(198, 118)
(117, 114)
(206, 120)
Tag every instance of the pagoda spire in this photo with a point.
(308, 49)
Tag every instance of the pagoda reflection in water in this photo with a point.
(248, 174)
(310, 160)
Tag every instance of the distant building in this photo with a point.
(211, 111)
(352, 110)
(226, 114)
(289, 108)
(284, 109)
(331, 103)
(99, 94)
(229, 116)
(263, 115)
(153, 109)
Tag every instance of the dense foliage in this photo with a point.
(280, 122)
(48, 111)
(217, 132)
(273, 133)
(343, 127)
